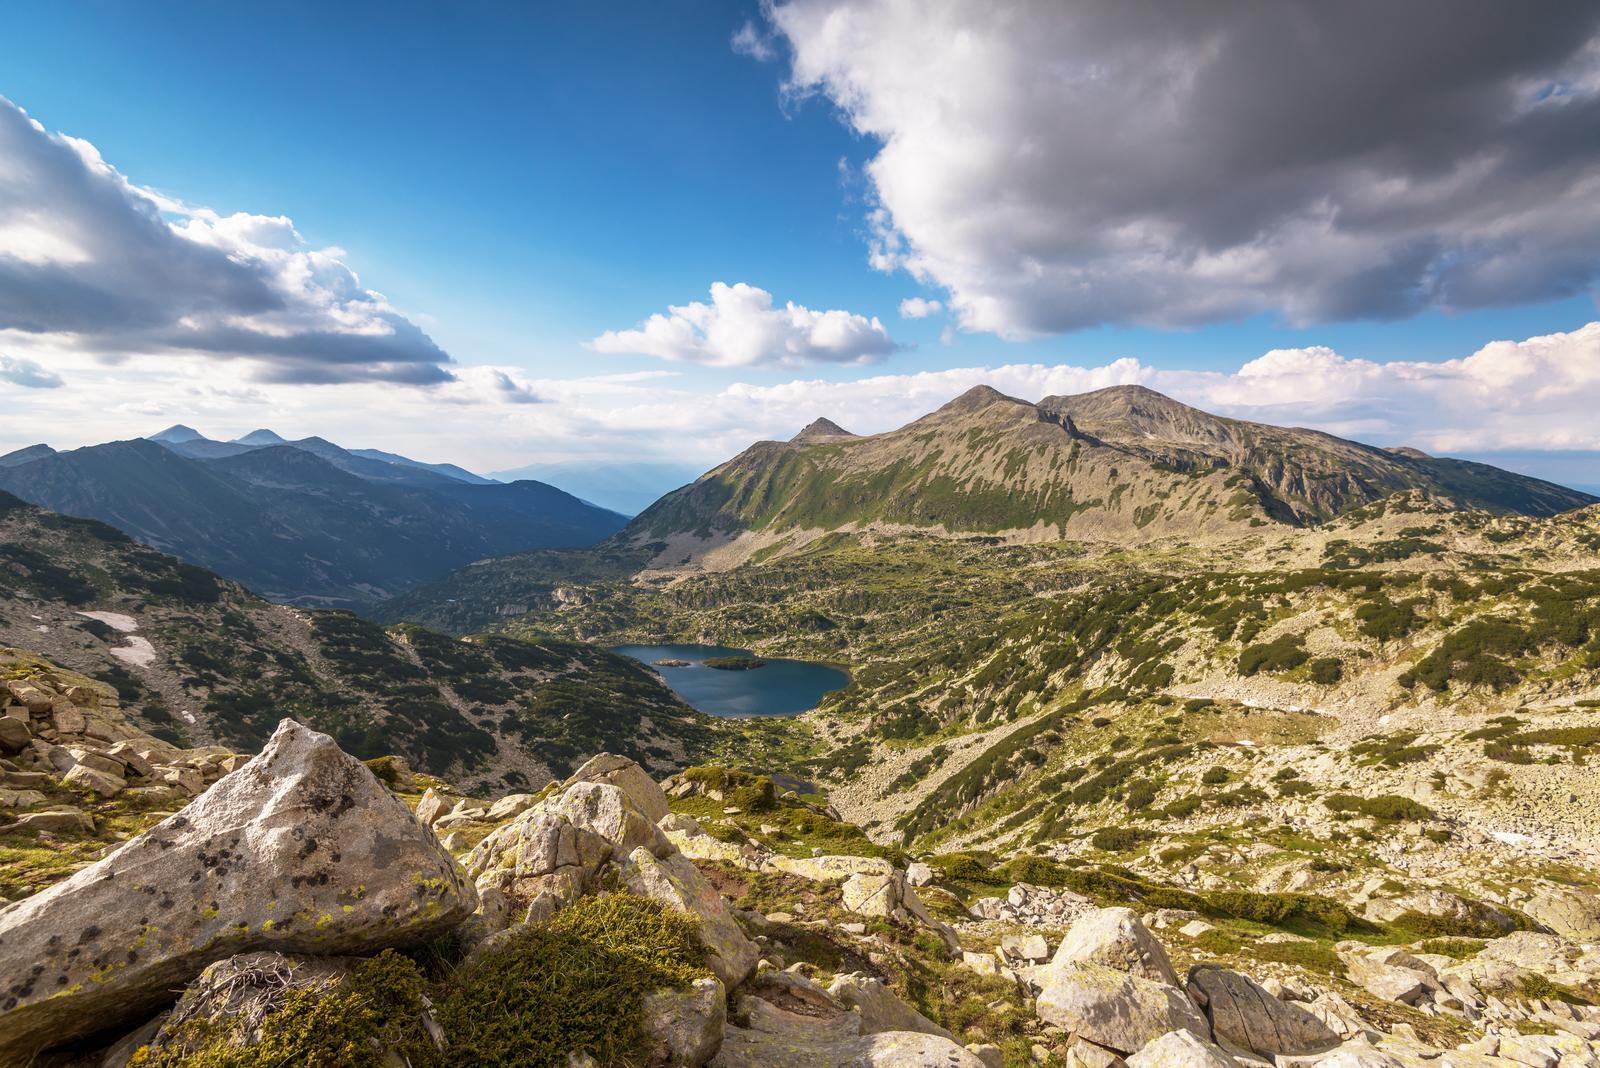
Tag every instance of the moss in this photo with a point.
(576, 983)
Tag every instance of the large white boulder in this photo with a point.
(300, 850)
(684, 1027)
(1181, 1049)
(628, 777)
(1245, 1014)
(678, 884)
(1118, 939)
(1115, 1009)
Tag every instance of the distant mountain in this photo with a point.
(625, 488)
(451, 470)
(261, 437)
(22, 456)
(304, 523)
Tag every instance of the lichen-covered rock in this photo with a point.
(1488, 976)
(704, 847)
(880, 1008)
(61, 819)
(628, 777)
(1385, 980)
(1112, 1008)
(1025, 949)
(94, 780)
(678, 884)
(1181, 1049)
(1118, 939)
(685, 1026)
(1567, 911)
(301, 850)
(559, 845)
(828, 869)
(511, 805)
(1530, 950)
(1248, 1016)
(1438, 903)
(871, 894)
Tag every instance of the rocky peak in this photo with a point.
(821, 430)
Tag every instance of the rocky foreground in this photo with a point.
(300, 910)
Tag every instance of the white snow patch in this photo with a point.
(188, 717)
(1511, 837)
(114, 620)
(138, 652)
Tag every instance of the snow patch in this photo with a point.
(138, 652)
(114, 620)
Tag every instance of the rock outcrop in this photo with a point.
(300, 850)
(1246, 1015)
(678, 884)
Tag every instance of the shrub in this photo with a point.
(961, 867)
(1446, 926)
(1183, 807)
(1282, 654)
(1119, 839)
(1100, 721)
(1197, 704)
(1327, 670)
(1507, 754)
(1040, 871)
(1274, 909)
(1141, 794)
(1216, 775)
(1459, 948)
(1394, 807)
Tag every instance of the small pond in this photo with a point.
(781, 688)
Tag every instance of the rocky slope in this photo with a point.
(198, 660)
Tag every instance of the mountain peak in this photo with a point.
(260, 437)
(979, 397)
(26, 455)
(1407, 450)
(824, 430)
(176, 433)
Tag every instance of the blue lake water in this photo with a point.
(782, 688)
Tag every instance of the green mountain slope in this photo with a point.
(198, 659)
(295, 528)
(1124, 463)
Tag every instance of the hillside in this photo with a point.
(1140, 468)
(196, 659)
(1124, 466)
(291, 525)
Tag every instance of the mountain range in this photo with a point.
(1125, 465)
(302, 522)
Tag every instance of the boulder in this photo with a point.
(1113, 1008)
(704, 847)
(880, 1008)
(1385, 980)
(1488, 976)
(991, 1056)
(511, 805)
(1029, 949)
(1437, 903)
(871, 894)
(1181, 1049)
(920, 874)
(685, 1026)
(674, 821)
(62, 819)
(558, 845)
(1246, 1015)
(1530, 950)
(1567, 911)
(99, 782)
(1117, 938)
(301, 850)
(431, 807)
(1535, 1051)
(628, 777)
(14, 735)
(677, 883)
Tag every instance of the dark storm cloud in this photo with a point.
(1061, 165)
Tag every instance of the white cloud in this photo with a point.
(87, 258)
(917, 308)
(749, 41)
(741, 328)
(1057, 165)
(28, 374)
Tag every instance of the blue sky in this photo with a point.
(519, 179)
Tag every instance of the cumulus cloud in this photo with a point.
(917, 308)
(1057, 165)
(741, 328)
(749, 41)
(85, 255)
(28, 374)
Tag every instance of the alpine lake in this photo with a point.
(777, 688)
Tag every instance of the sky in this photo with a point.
(501, 234)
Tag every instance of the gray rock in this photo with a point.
(1181, 1049)
(1535, 1051)
(1566, 911)
(627, 776)
(677, 883)
(1531, 950)
(686, 1026)
(920, 874)
(809, 1034)
(881, 1009)
(1118, 939)
(99, 782)
(509, 806)
(14, 735)
(301, 850)
(1032, 949)
(1385, 980)
(1487, 975)
(120, 1052)
(1247, 1015)
(1112, 1008)
(63, 819)
(991, 1056)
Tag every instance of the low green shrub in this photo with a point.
(1391, 807)
(1183, 807)
(1038, 871)
(1215, 775)
(1459, 948)
(959, 866)
(1119, 839)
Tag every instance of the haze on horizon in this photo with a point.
(498, 236)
